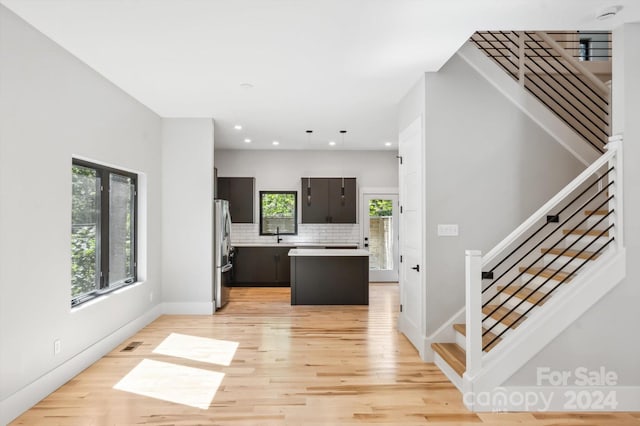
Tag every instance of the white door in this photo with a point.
(411, 320)
(380, 235)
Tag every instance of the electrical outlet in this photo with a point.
(151, 297)
(57, 347)
(447, 230)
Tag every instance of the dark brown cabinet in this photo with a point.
(240, 192)
(315, 201)
(329, 200)
(261, 266)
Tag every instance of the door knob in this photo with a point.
(416, 268)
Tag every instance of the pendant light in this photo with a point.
(342, 198)
(309, 178)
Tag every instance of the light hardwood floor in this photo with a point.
(294, 365)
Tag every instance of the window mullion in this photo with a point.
(104, 229)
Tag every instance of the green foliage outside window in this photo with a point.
(378, 208)
(278, 213)
(84, 218)
(278, 205)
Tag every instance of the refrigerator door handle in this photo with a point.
(226, 268)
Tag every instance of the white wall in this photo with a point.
(187, 215)
(606, 335)
(282, 170)
(412, 105)
(53, 107)
(488, 167)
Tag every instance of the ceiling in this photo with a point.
(325, 65)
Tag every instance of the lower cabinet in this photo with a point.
(261, 266)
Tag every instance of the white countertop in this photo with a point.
(328, 252)
(289, 244)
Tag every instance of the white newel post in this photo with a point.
(616, 190)
(473, 289)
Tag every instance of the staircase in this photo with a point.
(537, 281)
(508, 308)
(565, 257)
(565, 71)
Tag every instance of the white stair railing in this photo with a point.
(603, 179)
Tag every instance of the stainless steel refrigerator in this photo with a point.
(221, 252)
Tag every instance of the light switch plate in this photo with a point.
(448, 230)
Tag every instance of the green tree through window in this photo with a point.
(278, 212)
(379, 208)
(103, 230)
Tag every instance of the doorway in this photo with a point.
(411, 321)
(380, 235)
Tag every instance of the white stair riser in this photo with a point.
(534, 283)
(489, 322)
(561, 261)
(592, 220)
(514, 301)
(584, 242)
(461, 340)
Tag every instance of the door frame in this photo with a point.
(381, 192)
(417, 336)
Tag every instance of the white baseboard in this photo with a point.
(444, 333)
(415, 337)
(17, 403)
(556, 398)
(188, 308)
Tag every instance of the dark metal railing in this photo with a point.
(585, 45)
(553, 218)
(594, 197)
(568, 276)
(557, 78)
(567, 243)
(532, 264)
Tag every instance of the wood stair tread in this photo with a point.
(571, 253)
(486, 338)
(534, 297)
(511, 319)
(596, 212)
(453, 355)
(545, 272)
(593, 232)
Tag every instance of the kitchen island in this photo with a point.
(329, 276)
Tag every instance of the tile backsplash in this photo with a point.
(248, 233)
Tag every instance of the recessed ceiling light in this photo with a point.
(247, 140)
(246, 85)
(332, 143)
(275, 143)
(237, 127)
(387, 144)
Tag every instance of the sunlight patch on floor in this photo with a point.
(202, 349)
(190, 386)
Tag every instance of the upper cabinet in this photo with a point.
(328, 200)
(239, 191)
(314, 198)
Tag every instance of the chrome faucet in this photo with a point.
(278, 239)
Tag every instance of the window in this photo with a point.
(278, 212)
(103, 230)
(584, 49)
